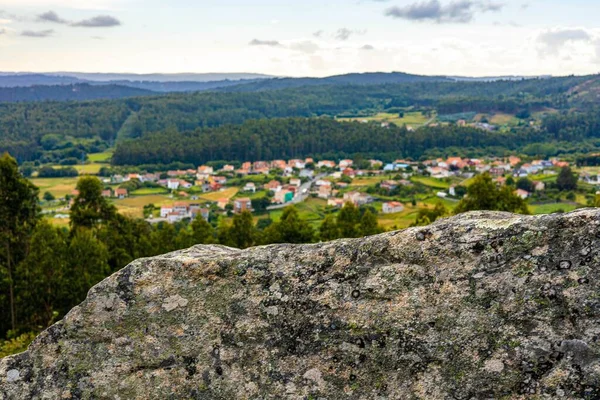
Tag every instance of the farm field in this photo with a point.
(59, 187)
(224, 194)
(431, 182)
(537, 209)
(100, 157)
(149, 191)
(414, 119)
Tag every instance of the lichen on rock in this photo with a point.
(479, 306)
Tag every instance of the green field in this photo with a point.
(414, 119)
(431, 182)
(100, 157)
(551, 208)
(149, 191)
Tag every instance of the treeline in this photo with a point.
(47, 270)
(295, 137)
(69, 92)
(23, 125)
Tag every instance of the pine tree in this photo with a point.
(289, 229)
(19, 213)
(329, 229)
(348, 220)
(368, 224)
(89, 207)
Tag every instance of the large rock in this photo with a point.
(480, 306)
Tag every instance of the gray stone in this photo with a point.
(479, 306)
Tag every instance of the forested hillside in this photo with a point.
(74, 92)
(294, 137)
(81, 125)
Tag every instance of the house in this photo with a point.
(345, 164)
(296, 164)
(175, 217)
(522, 193)
(273, 186)
(283, 196)
(326, 164)
(539, 186)
(180, 207)
(392, 207)
(242, 204)
(165, 211)
(228, 168)
(222, 203)
(324, 191)
(205, 170)
(295, 182)
(221, 180)
(389, 185)
(173, 184)
(278, 164)
(205, 212)
(247, 166)
(260, 166)
(121, 193)
(452, 191)
(185, 184)
(250, 187)
(307, 173)
(338, 203)
(513, 161)
(357, 198)
(349, 172)
(442, 195)
(438, 172)
(107, 193)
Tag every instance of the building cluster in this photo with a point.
(327, 179)
(180, 210)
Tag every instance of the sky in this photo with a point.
(302, 38)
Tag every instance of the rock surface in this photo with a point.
(479, 306)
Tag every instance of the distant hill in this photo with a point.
(186, 86)
(69, 92)
(183, 77)
(25, 80)
(375, 78)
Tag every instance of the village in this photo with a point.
(395, 190)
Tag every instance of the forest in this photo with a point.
(295, 137)
(23, 126)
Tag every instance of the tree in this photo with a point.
(90, 208)
(19, 213)
(428, 216)
(329, 229)
(483, 194)
(241, 233)
(88, 264)
(49, 196)
(42, 286)
(289, 229)
(567, 180)
(368, 224)
(347, 221)
(525, 184)
(202, 231)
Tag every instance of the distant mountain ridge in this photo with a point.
(76, 92)
(19, 87)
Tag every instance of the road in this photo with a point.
(301, 194)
